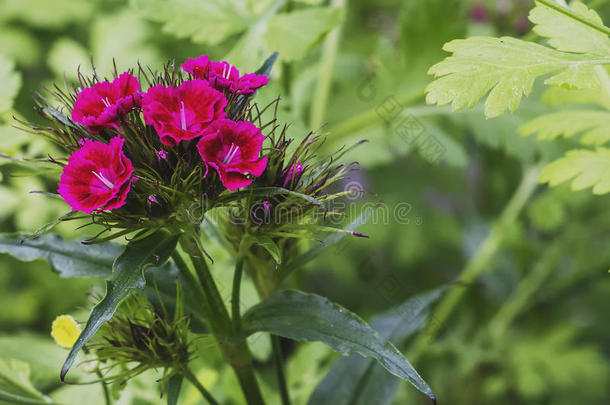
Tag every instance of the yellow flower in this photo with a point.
(65, 331)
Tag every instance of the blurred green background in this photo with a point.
(530, 330)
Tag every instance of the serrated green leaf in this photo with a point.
(127, 275)
(357, 381)
(68, 258)
(567, 34)
(584, 168)
(301, 316)
(10, 82)
(592, 124)
(293, 34)
(506, 68)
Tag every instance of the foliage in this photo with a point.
(530, 329)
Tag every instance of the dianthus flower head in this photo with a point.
(182, 113)
(98, 176)
(224, 76)
(232, 148)
(100, 106)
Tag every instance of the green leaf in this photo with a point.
(506, 68)
(568, 34)
(15, 384)
(209, 22)
(592, 124)
(358, 381)
(293, 34)
(267, 66)
(10, 82)
(267, 243)
(584, 168)
(301, 316)
(127, 275)
(68, 258)
(173, 389)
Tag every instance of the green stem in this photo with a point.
(235, 294)
(236, 354)
(479, 262)
(569, 13)
(371, 117)
(278, 360)
(526, 289)
(188, 374)
(327, 62)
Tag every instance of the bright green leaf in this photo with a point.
(506, 68)
(10, 82)
(567, 34)
(15, 385)
(594, 125)
(300, 316)
(292, 35)
(584, 168)
(210, 21)
(127, 275)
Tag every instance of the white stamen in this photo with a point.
(182, 116)
(230, 154)
(109, 185)
(106, 102)
(229, 72)
(224, 70)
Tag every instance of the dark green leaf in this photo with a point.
(69, 258)
(127, 275)
(300, 316)
(173, 389)
(266, 68)
(358, 381)
(268, 244)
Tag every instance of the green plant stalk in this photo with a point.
(235, 293)
(371, 117)
(236, 354)
(278, 360)
(327, 62)
(526, 289)
(479, 261)
(569, 13)
(188, 374)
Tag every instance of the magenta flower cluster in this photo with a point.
(98, 176)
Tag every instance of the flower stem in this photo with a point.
(278, 360)
(327, 62)
(479, 262)
(235, 297)
(236, 354)
(188, 374)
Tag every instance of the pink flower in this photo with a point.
(100, 106)
(224, 76)
(98, 176)
(182, 113)
(232, 149)
(292, 173)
